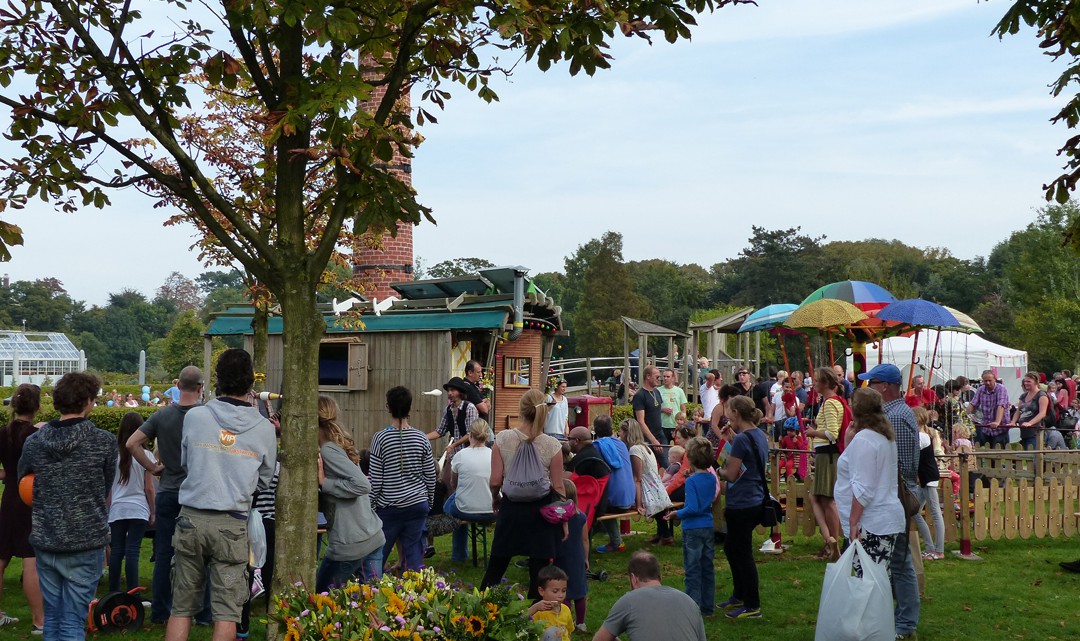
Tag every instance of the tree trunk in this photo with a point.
(298, 486)
(258, 323)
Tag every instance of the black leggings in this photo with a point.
(497, 568)
(739, 550)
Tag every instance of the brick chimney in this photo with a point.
(393, 261)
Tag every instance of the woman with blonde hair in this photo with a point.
(354, 538)
(744, 472)
(865, 490)
(647, 480)
(526, 471)
(470, 491)
(929, 467)
(826, 436)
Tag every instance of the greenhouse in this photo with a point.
(33, 357)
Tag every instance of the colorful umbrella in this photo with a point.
(917, 313)
(866, 296)
(770, 317)
(967, 323)
(823, 315)
(767, 317)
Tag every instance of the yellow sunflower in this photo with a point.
(292, 634)
(400, 634)
(474, 625)
(352, 588)
(493, 611)
(327, 631)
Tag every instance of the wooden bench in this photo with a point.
(629, 515)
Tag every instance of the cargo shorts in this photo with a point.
(214, 543)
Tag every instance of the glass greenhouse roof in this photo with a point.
(36, 346)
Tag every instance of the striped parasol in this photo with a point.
(967, 323)
(866, 296)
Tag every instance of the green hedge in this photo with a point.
(107, 418)
(6, 392)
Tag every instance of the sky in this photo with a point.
(891, 119)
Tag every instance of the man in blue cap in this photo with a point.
(886, 379)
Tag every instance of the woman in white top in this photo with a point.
(558, 411)
(865, 490)
(646, 474)
(470, 494)
(131, 507)
(928, 491)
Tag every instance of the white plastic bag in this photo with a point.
(256, 539)
(854, 609)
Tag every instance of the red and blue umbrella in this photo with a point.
(866, 296)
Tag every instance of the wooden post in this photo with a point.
(208, 352)
(757, 354)
(643, 350)
(626, 364)
(965, 513)
(1040, 442)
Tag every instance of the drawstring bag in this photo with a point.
(525, 478)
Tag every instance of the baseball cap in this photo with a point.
(885, 372)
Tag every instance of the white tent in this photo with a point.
(957, 355)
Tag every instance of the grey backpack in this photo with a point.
(525, 478)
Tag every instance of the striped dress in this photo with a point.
(402, 468)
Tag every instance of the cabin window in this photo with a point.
(343, 365)
(516, 371)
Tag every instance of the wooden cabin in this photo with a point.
(420, 341)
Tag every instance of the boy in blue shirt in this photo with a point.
(697, 525)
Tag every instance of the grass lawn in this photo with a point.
(1016, 592)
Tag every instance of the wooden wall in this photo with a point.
(529, 344)
(417, 360)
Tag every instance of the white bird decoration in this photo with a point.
(383, 305)
(344, 305)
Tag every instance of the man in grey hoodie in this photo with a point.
(229, 450)
(73, 463)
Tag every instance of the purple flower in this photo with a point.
(436, 629)
(337, 624)
(305, 613)
(440, 585)
(385, 628)
(299, 584)
(400, 619)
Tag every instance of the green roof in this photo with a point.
(494, 319)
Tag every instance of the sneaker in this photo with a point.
(6, 620)
(257, 587)
(730, 604)
(768, 546)
(653, 540)
(667, 540)
(37, 630)
(429, 552)
(604, 549)
(581, 628)
(1071, 566)
(744, 613)
(910, 636)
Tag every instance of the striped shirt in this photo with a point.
(266, 500)
(907, 438)
(402, 468)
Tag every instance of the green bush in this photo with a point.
(107, 418)
(621, 412)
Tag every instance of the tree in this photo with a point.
(211, 281)
(457, 267)
(670, 290)
(329, 86)
(183, 344)
(779, 266)
(609, 295)
(181, 291)
(44, 304)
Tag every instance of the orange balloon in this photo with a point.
(26, 489)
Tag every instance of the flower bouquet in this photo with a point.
(416, 606)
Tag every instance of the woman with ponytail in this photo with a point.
(355, 538)
(744, 472)
(520, 530)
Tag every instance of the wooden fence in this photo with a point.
(1025, 494)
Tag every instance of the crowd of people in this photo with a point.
(548, 488)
